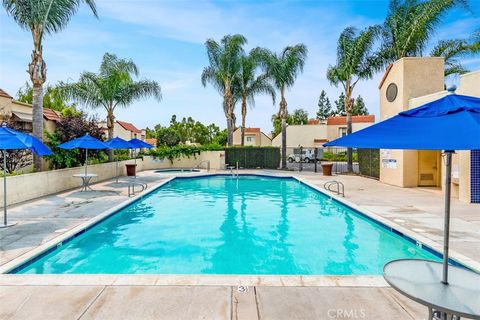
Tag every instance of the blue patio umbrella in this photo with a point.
(118, 143)
(86, 142)
(450, 123)
(15, 140)
(138, 144)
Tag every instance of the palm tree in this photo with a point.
(409, 26)
(355, 62)
(452, 51)
(224, 59)
(112, 87)
(283, 69)
(42, 17)
(247, 85)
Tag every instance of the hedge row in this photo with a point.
(253, 157)
(369, 162)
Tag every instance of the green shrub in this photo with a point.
(181, 150)
(253, 157)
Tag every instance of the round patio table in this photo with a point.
(85, 180)
(421, 281)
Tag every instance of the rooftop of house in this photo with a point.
(5, 94)
(151, 141)
(50, 114)
(128, 126)
(355, 119)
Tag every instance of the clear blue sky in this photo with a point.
(165, 39)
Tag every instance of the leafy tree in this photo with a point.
(222, 71)
(112, 87)
(248, 84)
(283, 69)
(340, 105)
(53, 97)
(409, 26)
(324, 106)
(359, 108)
(16, 159)
(355, 62)
(70, 127)
(42, 17)
(298, 117)
(167, 137)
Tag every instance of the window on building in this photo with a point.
(250, 139)
(342, 131)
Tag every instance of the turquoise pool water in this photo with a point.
(225, 225)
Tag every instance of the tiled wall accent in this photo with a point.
(475, 176)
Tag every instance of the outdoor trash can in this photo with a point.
(327, 169)
(131, 168)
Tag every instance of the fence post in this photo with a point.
(315, 152)
(300, 167)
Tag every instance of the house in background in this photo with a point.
(152, 142)
(253, 137)
(125, 130)
(22, 114)
(316, 133)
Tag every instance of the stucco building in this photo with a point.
(125, 130)
(316, 133)
(253, 137)
(409, 83)
(22, 113)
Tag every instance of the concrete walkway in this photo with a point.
(204, 302)
(44, 219)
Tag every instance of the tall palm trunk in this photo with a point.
(228, 106)
(110, 127)
(244, 116)
(37, 70)
(283, 116)
(348, 110)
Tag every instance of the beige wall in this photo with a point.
(333, 131)
(259, 138)
(421, 80)
(302, 135)
(30, 186)
(414, 77)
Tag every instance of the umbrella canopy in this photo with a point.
(119, 143)
(14, 140)
(85, 142)
(137, 143)
(450, 123)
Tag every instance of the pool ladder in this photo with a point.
(335, 187)
(131, 187)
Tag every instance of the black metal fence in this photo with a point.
(369, 162)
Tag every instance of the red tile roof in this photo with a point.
(50, 114)
(128, 126)
(385, 75)
(4, 94)
(252, 130)
(355, 119)
(313, 121)
(151, 141)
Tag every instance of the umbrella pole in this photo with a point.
(135, 159)
(446, 231)
(86, 161)
(4, 188)
(116, 169)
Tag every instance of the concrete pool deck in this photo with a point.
(97, 296)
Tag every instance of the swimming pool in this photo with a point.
(226, 225)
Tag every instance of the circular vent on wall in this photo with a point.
(392, 91)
